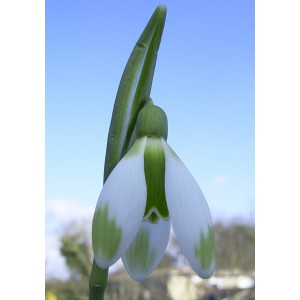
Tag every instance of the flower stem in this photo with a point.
(97, 284)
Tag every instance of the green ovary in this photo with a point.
(106, 234)
(139, 255)
(205, 250)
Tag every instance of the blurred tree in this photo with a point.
(76, 250)
(235, 246)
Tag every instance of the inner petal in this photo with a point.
(147, 249)
(154, 166)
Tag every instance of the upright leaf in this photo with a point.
(134, 88)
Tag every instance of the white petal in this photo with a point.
(120, 208)
(147, 249)
(190, 215)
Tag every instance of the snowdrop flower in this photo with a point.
(149, 189)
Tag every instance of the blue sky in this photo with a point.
(204, 80)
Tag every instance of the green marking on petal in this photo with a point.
(153, 218)
(106, 234)
(139, 255)
(154, 164)
(205, 251)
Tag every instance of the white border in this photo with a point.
(22, 128)
(277, 135)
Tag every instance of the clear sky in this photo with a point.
(204, 80)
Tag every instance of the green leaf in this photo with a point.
(134, 88)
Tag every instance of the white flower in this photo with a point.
(149, 189)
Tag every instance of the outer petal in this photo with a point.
(120, 208)
(147, 249)
(190, 215)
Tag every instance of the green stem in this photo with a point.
(97, 284)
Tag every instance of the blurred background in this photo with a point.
(204, 80)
